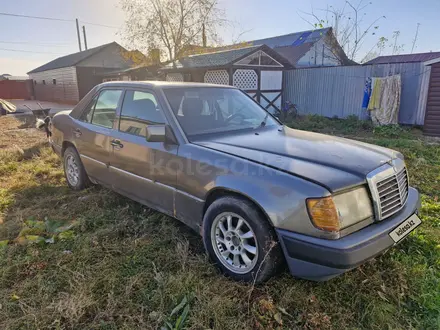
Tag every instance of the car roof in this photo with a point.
(160, 84)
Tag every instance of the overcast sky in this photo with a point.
(27, 43)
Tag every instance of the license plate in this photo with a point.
(405, 228)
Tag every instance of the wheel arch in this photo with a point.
(219, 192)
(65, 145)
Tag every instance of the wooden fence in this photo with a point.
(16, 89)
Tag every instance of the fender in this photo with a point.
(281, 196)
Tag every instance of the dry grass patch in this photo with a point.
(127, 267)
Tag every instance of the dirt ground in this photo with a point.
(19, 132)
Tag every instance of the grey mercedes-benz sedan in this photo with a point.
(259, 193)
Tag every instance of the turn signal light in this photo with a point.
(323, 213)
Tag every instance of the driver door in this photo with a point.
(140, 169)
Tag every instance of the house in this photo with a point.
(138, 72)
(4, 76)
(147, 68)
(312, 48)
(257, 70)
(69, 78)
(10, 77)
(431, 97)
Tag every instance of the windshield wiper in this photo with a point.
(263, 123)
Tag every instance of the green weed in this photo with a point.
(124, 266)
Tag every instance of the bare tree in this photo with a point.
(397, 48)
(415, 38)
(376, 50)
(349, 23)
(381, 44)
(174, 26)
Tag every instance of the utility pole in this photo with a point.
(79, 36)
(203, 35)
(85, 38)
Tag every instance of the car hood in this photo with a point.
(333, 162)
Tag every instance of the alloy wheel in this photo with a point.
(234, 242)
(72, 170)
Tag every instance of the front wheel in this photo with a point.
(240, 241)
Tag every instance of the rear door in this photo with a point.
(140, 169)
(92, 133)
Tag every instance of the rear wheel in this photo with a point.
(240, 240)
(74, 171)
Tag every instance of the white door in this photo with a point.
(271, 89)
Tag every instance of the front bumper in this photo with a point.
(321, 259)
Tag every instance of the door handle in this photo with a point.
(116, 143)
(77, 132)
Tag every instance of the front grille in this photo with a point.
(389, 188)
(393, 193)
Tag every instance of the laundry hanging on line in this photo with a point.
(384, 103)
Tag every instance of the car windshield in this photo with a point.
(201, 110)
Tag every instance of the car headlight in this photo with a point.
(334, 213)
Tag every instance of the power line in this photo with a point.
(34, 43)
(103, 25)
(29, 51)
(57, 19)
(38, 17)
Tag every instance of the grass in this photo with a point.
(123, 266)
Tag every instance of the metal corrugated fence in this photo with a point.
(339, 91)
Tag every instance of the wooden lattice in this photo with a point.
(219, 77)
(245, 79)
(175, 77)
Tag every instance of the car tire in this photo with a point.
(74, 171)
(254, 240)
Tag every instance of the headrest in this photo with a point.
(192, 107)
(145, 105)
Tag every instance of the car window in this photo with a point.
(105, 108)
(88, 110)
(201, 110)
(139, 109)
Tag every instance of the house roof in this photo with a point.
(292, 39)
(219, 58)
(294, 53)
(294, 46)
(405, 58)
(223, 58)
(70, 60)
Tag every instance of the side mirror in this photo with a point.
(160, 133)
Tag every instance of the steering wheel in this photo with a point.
(235, 115)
